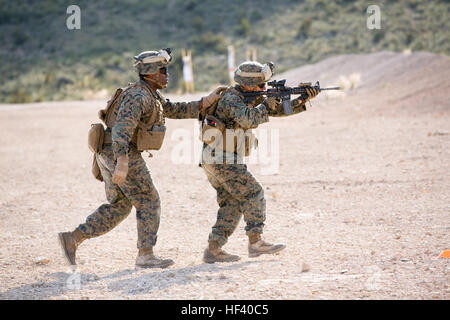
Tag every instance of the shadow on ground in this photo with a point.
(156, 279)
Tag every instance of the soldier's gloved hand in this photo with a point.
(212, 97)
(311, 92)
(271, 102)
(121, 170)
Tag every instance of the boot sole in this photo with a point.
(208, 258)
(62, 243)
(257, 254)
(162, 265)
(216, 260)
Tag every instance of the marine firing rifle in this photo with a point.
(280, 90)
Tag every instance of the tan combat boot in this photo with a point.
(146, 259)
(257, 246)
(215, 254)
(69, 242)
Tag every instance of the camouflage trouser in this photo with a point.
(238, 193)
(138, 191)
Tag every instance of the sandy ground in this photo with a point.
(361, 195)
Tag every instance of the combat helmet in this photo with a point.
(149, 62)
(252, 73)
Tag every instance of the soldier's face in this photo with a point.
(163, 77)
(260, 87)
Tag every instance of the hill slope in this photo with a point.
(416, 81)
(42, 59)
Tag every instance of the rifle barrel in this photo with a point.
(332, 88)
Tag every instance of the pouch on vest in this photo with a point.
(209, 127)
(237, 141)
(96, 169)
(96, 137)
(150, 139)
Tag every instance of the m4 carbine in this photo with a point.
(279, 90)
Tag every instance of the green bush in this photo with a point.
(66, 64)
(208, 42)
(304, 29)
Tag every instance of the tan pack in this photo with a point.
(208, 129)
(150, 139)
(96, 169)
(96, 137)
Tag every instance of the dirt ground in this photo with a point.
(361, 195)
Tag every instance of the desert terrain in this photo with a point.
(360, 196)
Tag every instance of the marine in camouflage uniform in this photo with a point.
(127, 180)
(238, 192)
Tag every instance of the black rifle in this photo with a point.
(279, 90)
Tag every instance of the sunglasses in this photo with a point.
(163, 70)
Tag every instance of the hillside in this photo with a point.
(43, 60)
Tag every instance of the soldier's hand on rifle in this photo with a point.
(311, 92)
(271, 102)
(212, 97)
(121, 170)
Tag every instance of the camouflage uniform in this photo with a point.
(138, 190)
(238, 192)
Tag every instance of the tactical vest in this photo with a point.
(149, 133)
(229, 137)
(151, 129)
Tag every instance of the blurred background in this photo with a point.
(42, 60)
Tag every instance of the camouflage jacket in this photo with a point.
(137, 105)
(236, 114)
